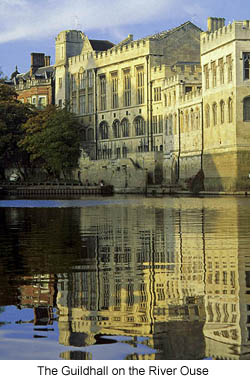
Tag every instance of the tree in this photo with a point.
(52, 139)
(13, 114)
(2, 76)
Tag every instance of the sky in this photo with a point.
(28, 26)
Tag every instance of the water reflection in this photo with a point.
(139, 279)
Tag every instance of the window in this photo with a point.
(90, 103)
(157, 94)
(213, 67)
(60, 103)
(246, 108)
(73, 83)
(124, 151)
(82, 80)
(60, 82)
(221, 70)
(103, 130)
(90, 134)
(41, 102)
(175, 123)
(186, 121)
(127, 88)
(192, 119)
(182, 122)
(140, 85)
(214, 114)
(160, 123)
(82, 104)
(154, 124)
(74, 105)
(206, 73)
(207, 115)
(230, 68)
(102, 92)
(125, 128)
(230, 110)
(139, 126)
(222, 112)
(90, 78)
(114, 91)
(170, 125)
(116, 129)
(246, 65)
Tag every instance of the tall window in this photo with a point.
(230, 110)
(127, 88)
(197, 118)
(74, 105)
(103, 130)
(140, 85)
(82, 104)
(154, 124)
(206, 73)
(246, 65)
(114, 90)
(246, 108)
(125, 127)
(170, 125)
(186, 121)
(221, 70)
(160, 123)
(139, 126)
(90, 103)
(157, 94)
(207, 115)
(175, 123)
(102, 92)
(73, 82)
(214, 113)
(213, 67)
(90, 78)
(116, 129)
(230, 67)
(222, 112)
(82, 80)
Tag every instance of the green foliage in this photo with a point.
(51, 137)
(12, 115)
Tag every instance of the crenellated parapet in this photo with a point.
(237, 30)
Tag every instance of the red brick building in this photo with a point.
(37, 85)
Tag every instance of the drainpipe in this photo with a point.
(148, 118)
(179, 145)
(96, 115)
(202, 136)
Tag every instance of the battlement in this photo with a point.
(189, 96)
(237, 30)
(184, 76)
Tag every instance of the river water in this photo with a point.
(125, 278)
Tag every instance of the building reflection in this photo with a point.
(174, 274)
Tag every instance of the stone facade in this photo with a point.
(208, 128)
(171, 103)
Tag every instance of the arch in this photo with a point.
(246, 108)
(230, 110)
(222, 111)
(207, 115)
(214, 108)
(125, 127)
(116, 129)
(139, 126)
(90, 134)
(103, 130)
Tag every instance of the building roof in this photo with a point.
(100, 45)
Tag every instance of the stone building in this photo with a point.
(208, 128)
(115, 91)
(37, 85)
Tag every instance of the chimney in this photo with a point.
(47, 60)
(215, 23)
(37, 60)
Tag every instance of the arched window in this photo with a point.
(103, 130)
(230, 110)
(246, 108)
(125, 127)
(207, 116)
(214, 113)
(165, 100)
(139, 126)
(90, 134)
(222, 112)
(197, 118)
(186, 121)
(116, 129)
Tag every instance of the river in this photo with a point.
(125, 277)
